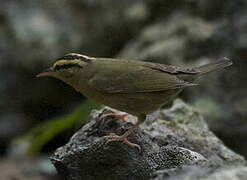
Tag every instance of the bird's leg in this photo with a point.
(117, 115)
(123, 137)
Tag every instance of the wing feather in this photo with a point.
(134, 78)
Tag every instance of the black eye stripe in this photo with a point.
(70, 57)
(66, 66)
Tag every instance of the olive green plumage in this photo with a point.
(135, 87)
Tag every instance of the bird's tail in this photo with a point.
(214, 66)
(207, 68)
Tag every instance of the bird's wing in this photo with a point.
(135, 78)
(170, 68)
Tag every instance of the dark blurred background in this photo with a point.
(180, 32)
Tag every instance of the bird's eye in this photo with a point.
(55, 68)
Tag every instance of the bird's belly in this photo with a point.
(135, 103)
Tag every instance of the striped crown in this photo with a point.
(71, 60)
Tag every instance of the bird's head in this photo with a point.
(67, 68)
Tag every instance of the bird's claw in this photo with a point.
(124, 139)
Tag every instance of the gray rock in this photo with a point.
(167, 41)
(199, 173)
(171, 140)
(238, 173)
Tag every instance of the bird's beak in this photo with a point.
(47, 72)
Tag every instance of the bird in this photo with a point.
(132, 86)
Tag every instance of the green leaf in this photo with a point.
(36, 138)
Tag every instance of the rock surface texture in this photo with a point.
(175, 144)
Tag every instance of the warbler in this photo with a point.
(135, 87)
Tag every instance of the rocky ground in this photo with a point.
(175, 144)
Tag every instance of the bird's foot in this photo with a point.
(112, 138)
(115, 114)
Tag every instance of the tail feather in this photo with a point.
(214, 66)
(207, 68)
